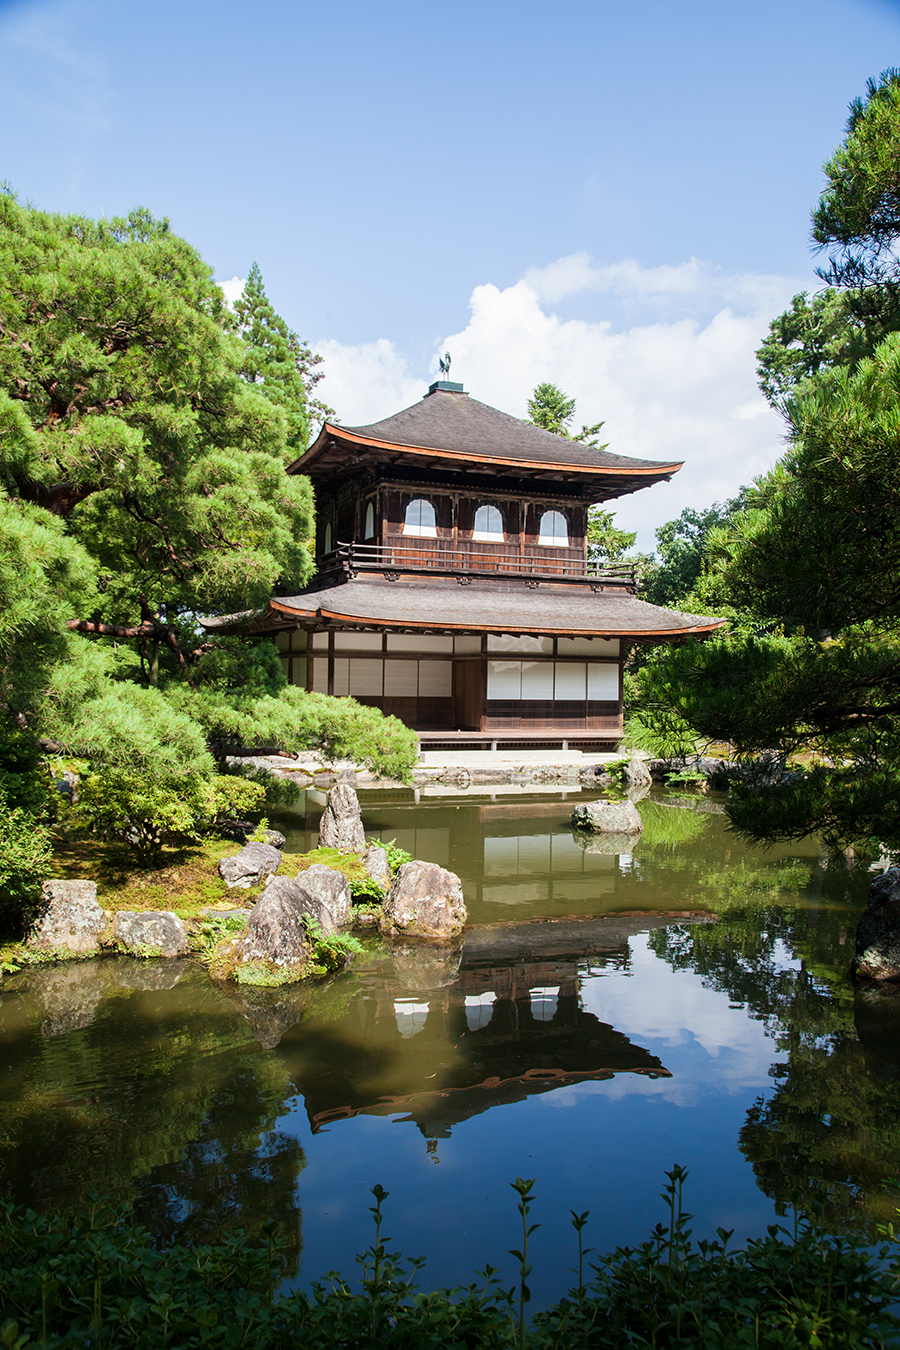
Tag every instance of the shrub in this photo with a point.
(146, 811)
(25, 860)
(96, 1279)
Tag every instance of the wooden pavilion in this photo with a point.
(453, 585)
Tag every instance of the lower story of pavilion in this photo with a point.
(468, 687)
(485, 661)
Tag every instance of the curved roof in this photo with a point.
(489, 606)
(453, 427)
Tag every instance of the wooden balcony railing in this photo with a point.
(425, 556)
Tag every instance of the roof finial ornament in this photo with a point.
(444, 363)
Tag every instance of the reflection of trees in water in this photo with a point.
(830, 1130)
(159, 1098)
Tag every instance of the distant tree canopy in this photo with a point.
(277, 359)
(143, 448)
(808, 566)
(552, 410)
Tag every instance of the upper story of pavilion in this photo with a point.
(451, 486)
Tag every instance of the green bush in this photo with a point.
(97, 1280)
(147, 811)
(25, 860)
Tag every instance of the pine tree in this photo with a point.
(552, 410)
(278, 361)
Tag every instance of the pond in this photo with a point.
(599, 1027)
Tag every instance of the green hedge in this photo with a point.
(96, 1280)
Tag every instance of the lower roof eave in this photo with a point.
(334, 617)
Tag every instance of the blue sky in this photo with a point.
(527, 184)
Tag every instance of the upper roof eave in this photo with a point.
(646, 469)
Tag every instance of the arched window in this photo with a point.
(420, 519)
(369, 528)
(554, 530)
(328, 537)
(488, 525)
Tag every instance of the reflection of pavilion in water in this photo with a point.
(497, 1034)
(507, 853)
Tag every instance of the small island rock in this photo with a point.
(69, 918)
(341, 826)
(878, 930)
(248, 867)
(605, 817)
(375, 861)
(636, 774)
(150, 932)
(425, 901)
(276, 940)
(331, 889)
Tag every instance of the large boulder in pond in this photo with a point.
(275, 946)
(636, 774)
(425, 901)
(248, 867)
(330, 889)
(69, 919)
(341, 826)
(375, 861)
(878, 930)
(606, 817)
(151, 932)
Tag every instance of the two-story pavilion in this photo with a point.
(454, 588)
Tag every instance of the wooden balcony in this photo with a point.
(420, 556)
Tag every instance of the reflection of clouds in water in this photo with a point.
(702, 1038)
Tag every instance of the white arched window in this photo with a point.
(554, 530)
(488, 525)
(369, 528)
(328, 537)
(420, 519)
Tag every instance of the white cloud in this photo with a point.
(367, 382)
(678, 384)
(234, 289)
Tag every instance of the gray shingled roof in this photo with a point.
(456, 422)
(501, 606)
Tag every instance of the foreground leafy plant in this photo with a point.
(95, 1279)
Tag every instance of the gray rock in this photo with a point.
(276, 941)
(596, 776)
(425, 901)
(341, 825)
(248, 867)
(375, 861)
(275, 839)
(69, 918)
(150, 932)
(605, 817)
(878, 930)
(332, 890)
(635, 774)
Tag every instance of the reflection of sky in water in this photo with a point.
(598, 1145)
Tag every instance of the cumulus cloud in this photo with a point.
(674, 383)
(234, 289)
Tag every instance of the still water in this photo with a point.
(597, 1027)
